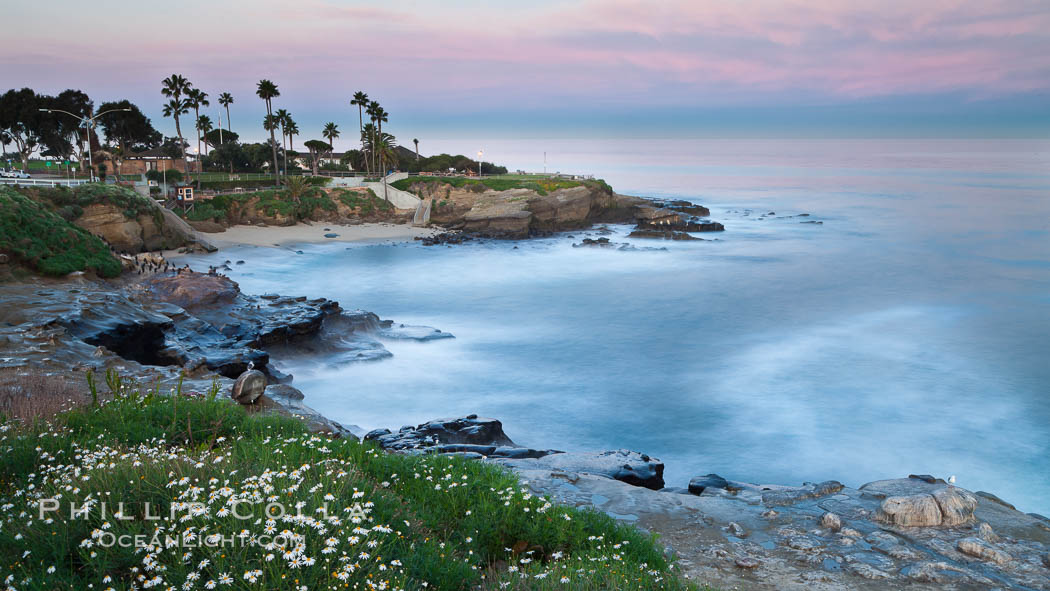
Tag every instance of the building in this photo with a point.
(143, 162)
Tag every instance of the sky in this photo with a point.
(577, 68)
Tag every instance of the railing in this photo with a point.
(44, 182)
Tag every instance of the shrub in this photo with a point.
(44, 241)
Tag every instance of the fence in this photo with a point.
(44, 182)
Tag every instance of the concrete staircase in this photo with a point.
(398, 198)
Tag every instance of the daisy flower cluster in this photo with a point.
(183, 493)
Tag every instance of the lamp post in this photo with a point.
(89, 125)
(479, 163)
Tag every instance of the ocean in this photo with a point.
(907, 333)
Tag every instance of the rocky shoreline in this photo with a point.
(918, 532)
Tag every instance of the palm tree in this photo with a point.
(416, 142)
(361, 100)
(267, 91)
(284, 118)
(293, 130)
(226, 99)
(174, 87)
(204, 125)
(197, 98)
(381, 116)
(371, 110)
(331, 131)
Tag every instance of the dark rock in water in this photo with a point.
(331, 235)
(666, 235)
(701, 483)
(447, 238)
(682, 226)
(812, 222)
(627, 466)
(470, 429)
(686, 207)
(599, 242)
(248, 387)
(240, 262)
(298, 252)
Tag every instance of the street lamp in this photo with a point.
(479, 163)
(89, 124)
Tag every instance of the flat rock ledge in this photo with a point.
(918, 533)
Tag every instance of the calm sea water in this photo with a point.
(909, 333)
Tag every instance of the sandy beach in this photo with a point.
(313, 233)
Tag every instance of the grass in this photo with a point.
(44, 241)
(218, 478)
(541, 186)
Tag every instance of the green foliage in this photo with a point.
(44, 241)
(171, 176)
(426, 185)
(74, 200)
(430, 521)
(366, 205)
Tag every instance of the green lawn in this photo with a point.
(259, 503)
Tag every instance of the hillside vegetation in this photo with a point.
(312, 203)
(34, 234)
(425, 186)
(247, 501)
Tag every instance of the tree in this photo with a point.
(267, 91)
(380, 115)
(297, 186)
(131, 131)
(174, 87)
(416, 142)
(284, 118)
(62, 134)
(22, 120)
(215, 139)
(331, 131)
(197, 98)
(204, 125)
(361, 100)
(318, 149)
(225, 100)
(293, 130)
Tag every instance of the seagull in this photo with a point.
(251, 366)
(951, 479)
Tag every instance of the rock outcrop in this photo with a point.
(149, 231)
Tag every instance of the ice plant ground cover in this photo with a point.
(191, 492)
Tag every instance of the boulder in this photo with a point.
(470, 429)
(248, 387)
(918, 502)
(701, 483)
(831, 521)
(910, 511)
(957, 505)
(983, 550)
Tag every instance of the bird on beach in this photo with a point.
(951, 479)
